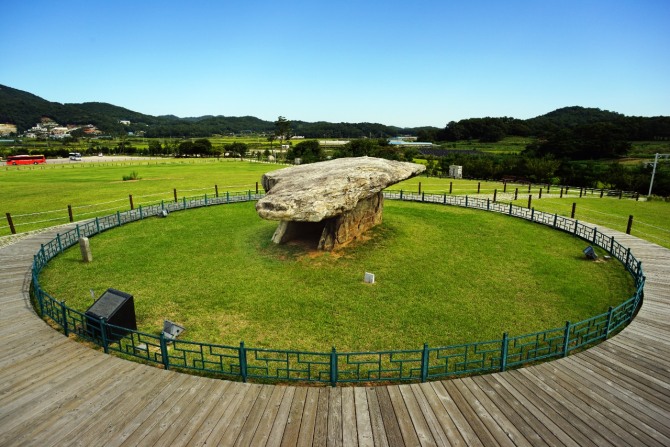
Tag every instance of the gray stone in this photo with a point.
(85, 248)
(335, 200)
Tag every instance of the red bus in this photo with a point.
(14, 160)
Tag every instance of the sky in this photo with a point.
(407, 64)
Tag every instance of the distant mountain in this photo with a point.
(25, 109)
(572, 117)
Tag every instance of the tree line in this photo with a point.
(547, 169)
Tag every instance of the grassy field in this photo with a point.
(38, 197)
(651, 220)
(508, 145)
(445, 275)
(254, 142)
(95, 189)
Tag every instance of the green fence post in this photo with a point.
(333, 367)
(63, 311)
(401, 194)
(103, 334)
(488, 204)
(423, 196)
(555, 218)
(566, 339)
(611, 244)
(532, 214)
(249, 195)
(574, 230)
(466, 201)
(503, 352)
(227, 196)
(183, 203)
(78, 231)
(118, 218)
(424, 363)
(444, 200)
(205, 199)
(60, 245)
(627, 258)
(141, 215)
(164, 352)
(97, 224)
(610, 311)
(40, 298)
(595, 234)
(243, 361)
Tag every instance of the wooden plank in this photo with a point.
(502, 438)
(605, 404)
(363, 422)
(158, 421)
(244, 392)
(420, 427)
(309, 415)
(193, 414)
(477, 425)
(281, 420)
(591, 422)
(48, 424)
(202, 420)
(449, 429)
(216, 420)
(558, 423)
(126, 406)
(376, 420)
(258, 424)
(459, 419)
(31, 402)
(335, 436)
(23, 374)
(259, 397)
(535, 431)
(495, 418)
(620, 378)
(321, 421)
(434, 426)
(349, 430)
(390, 418)
(290, 435)
(656, 386)
(174, 386)
(624, 398)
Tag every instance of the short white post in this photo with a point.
(85, 247)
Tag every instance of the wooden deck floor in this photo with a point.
(54, 391)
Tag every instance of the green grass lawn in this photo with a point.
(37, 197)
(445, 275)
(97, 189)
(651, 220)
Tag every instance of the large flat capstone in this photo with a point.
(336, 200)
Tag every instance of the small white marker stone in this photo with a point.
(369, 278)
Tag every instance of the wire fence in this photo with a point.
(418, 365)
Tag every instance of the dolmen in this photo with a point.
(335, 201)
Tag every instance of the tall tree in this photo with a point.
(282, 129)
